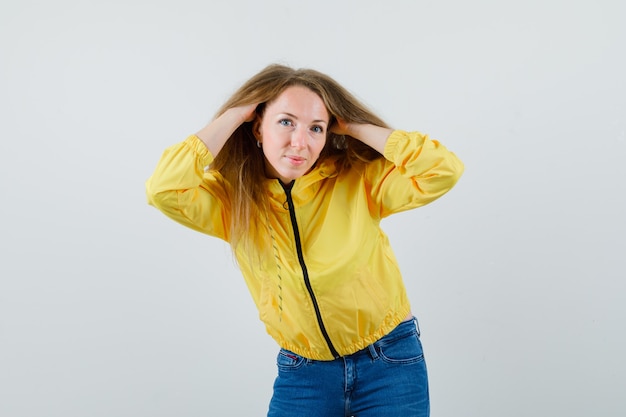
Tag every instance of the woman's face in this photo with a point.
(292, 133)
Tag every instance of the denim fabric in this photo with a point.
(388, 378)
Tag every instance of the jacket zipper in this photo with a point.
(307, 281)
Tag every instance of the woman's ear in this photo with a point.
(258, 120)
(256, 128)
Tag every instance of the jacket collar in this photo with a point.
(305, 187)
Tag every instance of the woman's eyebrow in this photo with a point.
(296, 117)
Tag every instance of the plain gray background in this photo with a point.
(108, 308)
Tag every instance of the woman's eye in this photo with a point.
(318, 129)
(285, 122)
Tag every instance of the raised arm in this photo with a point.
(415, 170)
(372, 135)
(181, 188)
(215, 134)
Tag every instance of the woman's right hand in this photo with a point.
(215, 134)
(248, 112)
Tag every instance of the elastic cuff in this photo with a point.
(200, 149)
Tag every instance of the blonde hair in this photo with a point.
(241, 162)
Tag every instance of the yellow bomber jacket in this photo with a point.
(333, 285)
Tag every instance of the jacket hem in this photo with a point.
(386, 327)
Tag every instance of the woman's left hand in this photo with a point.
(340, 127)
(372, 135)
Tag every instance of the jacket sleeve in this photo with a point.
(415, 170)
(183, 191)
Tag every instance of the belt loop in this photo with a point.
(373, 352)
(417, 327)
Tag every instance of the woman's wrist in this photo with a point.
(372, 135)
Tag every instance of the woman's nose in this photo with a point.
(298, 138)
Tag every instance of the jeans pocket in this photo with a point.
(289, 361)
(405, 350)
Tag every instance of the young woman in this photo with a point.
(296, 174)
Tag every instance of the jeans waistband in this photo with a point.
(404, 329)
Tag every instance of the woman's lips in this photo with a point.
(295, 160)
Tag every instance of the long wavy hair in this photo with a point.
(241, 162)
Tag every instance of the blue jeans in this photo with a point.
(388, 378)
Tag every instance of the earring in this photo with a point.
(258, 144)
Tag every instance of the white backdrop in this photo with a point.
(107, 308)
